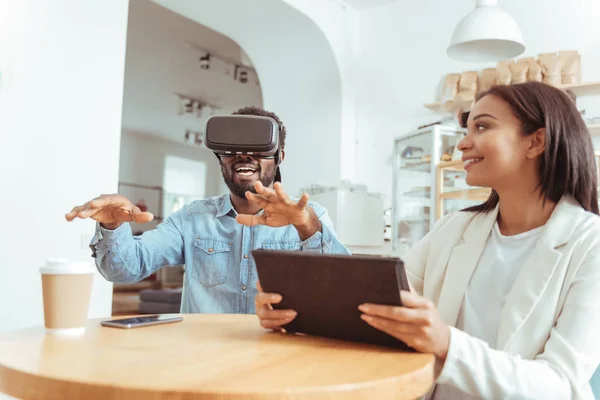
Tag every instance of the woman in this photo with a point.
(506, 294)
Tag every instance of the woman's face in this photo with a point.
(495, 151)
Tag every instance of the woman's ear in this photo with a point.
(537, 143)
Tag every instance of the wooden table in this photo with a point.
(205, 357)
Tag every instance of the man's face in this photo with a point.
(242, 171)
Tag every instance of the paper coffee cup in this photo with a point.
(66, 289)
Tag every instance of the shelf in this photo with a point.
(467, 194)
(450, 107)
(447, 109)
(578, 89)
(582, 89)
(417, 195)
(423, 167)
(457, 165)
(436, 107)
(594, 129)
(134, 287)
(413, 219)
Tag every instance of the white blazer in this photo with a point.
(549, 331)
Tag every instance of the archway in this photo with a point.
(298, 74)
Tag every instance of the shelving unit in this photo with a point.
(416, 156)
(466, 195)
(578, 90)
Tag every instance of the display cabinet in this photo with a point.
(415, 161)
(453, 192)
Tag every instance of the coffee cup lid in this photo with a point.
(60, 266)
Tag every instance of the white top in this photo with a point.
(63, 266)
(494, 276)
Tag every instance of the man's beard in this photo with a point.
(239, 189)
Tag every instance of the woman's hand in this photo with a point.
(269, 318)
(417, 323)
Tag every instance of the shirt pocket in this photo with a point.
(290, 245)
(211, 258)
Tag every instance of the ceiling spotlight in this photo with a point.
(205, 61)
(241, 74)
(189, 106)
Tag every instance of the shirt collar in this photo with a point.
(225, 207)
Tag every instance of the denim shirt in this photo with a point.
(220, 275)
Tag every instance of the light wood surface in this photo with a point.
(457, 165)
(205, 357)
(582, 89)
(578, 89)
(480, 194)
(473, 193)
(594, 129)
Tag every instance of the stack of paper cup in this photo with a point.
(66, 288)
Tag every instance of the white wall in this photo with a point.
(403, 56)
(299, 77)
(340, 25)
(143, 161)
(60, 122)
(161, 62)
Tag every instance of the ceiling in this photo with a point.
(364, 4)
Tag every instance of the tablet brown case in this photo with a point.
(326, 291)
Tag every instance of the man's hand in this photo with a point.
(111, 210)
(269, 318)
(279, 210)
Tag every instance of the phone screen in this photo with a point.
(139, 320)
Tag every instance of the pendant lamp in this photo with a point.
(487, 33)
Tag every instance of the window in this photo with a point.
(184, 181)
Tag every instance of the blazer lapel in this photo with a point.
(537, 271)
(461, 264)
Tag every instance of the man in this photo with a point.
(213, 237)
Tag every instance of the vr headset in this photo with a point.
(232, 135)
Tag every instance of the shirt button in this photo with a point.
(210, 250)
(243, 287)
(245, 255)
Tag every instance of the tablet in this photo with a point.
(326, 290)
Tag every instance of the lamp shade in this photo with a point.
(488, 33)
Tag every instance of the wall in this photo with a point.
(143, 160)
(403, 56)
(54, 150)
(161, 61)
(299, 78)
(339, 24)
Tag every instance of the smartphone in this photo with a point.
(145, 320)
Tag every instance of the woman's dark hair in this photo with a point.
(568, 164)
